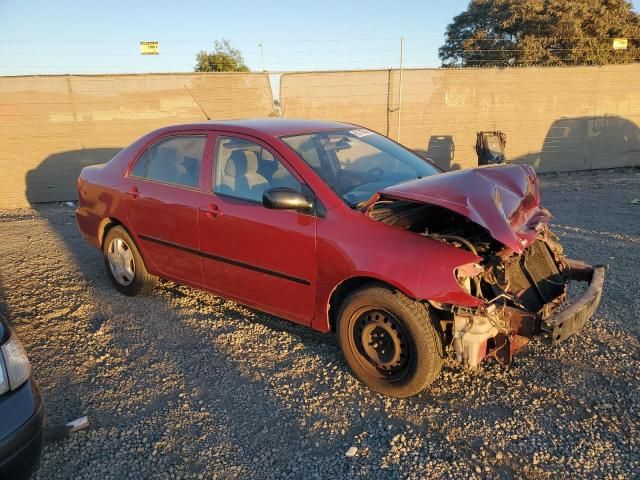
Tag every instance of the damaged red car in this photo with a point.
(339, 228)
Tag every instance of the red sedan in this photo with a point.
(339, 228)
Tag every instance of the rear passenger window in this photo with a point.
(174, 160)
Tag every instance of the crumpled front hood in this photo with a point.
(504, 199)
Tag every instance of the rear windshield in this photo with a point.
(358, 163)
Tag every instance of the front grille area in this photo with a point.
(534, 277)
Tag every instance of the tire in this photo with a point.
(389, 341)
(124, 264)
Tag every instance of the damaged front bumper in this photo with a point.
(565, 323)
(500, 331)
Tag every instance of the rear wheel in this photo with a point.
(124, 264)
(389, 341)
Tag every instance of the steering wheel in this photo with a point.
(373, 175)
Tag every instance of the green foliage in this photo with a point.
(541, 32)
(224, 58)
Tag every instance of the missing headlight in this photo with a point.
(468, 277)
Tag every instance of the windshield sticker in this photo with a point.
(361, 132)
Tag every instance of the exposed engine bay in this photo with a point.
(519, 289)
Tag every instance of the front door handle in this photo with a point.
(211, 210)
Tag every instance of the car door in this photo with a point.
(163, 192)
(261, 257)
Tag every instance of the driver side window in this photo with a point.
(244, 169)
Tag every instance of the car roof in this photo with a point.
(276, 127)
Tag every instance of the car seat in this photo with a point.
(240, 177)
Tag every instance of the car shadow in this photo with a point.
(54, 179)
(584, 143)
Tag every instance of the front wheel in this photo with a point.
(389, 341)
(124, 264)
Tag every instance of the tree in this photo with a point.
(541, 32)
(224, 58)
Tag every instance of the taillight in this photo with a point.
(15, 368)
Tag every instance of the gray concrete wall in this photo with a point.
(556, 119)
(52, 126)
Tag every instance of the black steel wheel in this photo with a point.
(389, 341)
(382, 343)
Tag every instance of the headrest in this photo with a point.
(166, 153)
(190, 166)
(241, 162)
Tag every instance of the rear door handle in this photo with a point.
(133, 192)
(211, 211)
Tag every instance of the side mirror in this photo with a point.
(286, 199)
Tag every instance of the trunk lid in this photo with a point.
(504, 199)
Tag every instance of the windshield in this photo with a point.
(358, 163)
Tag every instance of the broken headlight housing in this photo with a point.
(15, 368)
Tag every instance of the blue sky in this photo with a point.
(102, 37)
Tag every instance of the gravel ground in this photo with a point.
(183, 384)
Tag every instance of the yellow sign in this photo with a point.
(149, 48)
(620, 43)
